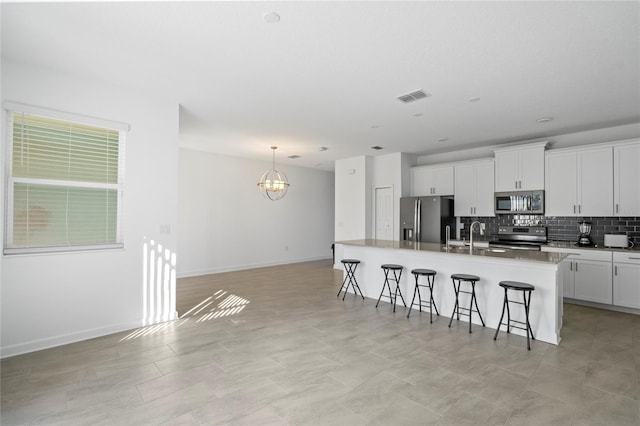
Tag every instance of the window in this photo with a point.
(64, 182)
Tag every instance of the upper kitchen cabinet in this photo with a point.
(579, 182)
(474, 188)
(520, 167)
(432, 180)
(626, 190)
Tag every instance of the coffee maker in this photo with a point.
(585, 229)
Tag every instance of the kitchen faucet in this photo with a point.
(447, 233)
(471, 234)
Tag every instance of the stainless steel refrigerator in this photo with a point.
(424, 219)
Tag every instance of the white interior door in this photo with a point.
(384, 213)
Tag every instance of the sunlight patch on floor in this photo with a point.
(227, 305)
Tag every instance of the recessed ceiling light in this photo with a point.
(294, 156)
(271, 18)
(442, 139)
(377, 148)
(323, 148)
(473, 99)
(544, 119)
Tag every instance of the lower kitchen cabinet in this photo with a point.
(626, 280)
(568, 284)
(587, 275)
(593, 281)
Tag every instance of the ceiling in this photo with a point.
(328, 74)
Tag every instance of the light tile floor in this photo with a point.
(276, 346)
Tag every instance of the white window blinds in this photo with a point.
(65, 185)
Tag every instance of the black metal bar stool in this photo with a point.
(526, 290)
(350, 266)
(397, 273)
(471, 279)
(430, 274)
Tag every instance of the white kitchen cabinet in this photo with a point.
(586, 280)
(568, 282)
(587, 275)
(595, 182)
(465, 190)
(626, 190)
(579, 182)
(520, 168)
(432, 180)
(474, 189)
(626, 279)
(485, 189)
(593, 281)
(560, 184)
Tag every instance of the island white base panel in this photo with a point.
(545, 314)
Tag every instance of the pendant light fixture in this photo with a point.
(273, 184)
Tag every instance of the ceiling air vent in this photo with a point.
(377, 148)
(413, 96)
(294, 156)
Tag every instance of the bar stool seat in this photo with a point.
(392, 266)
(396, 270)
(472, 280)
(430, 274)
(516, 285)
(465, 277)
(350, 266)
(526, 290)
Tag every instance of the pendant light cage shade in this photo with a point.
(273, 184)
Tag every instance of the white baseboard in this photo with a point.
(603, 306)
(65, 339)
(218, 270)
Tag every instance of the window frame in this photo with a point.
(12, 107)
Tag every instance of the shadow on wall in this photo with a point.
(159, 283)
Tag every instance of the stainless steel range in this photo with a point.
(520, 237)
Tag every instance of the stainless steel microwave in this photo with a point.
(520, 202)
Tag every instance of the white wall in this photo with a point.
(607, 134)
(52, 299)
(408, 161)
(225, 224)
(353, 215)
(353, 198)
(356, 181)
(387, 170)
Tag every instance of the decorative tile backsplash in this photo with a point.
(562, 228)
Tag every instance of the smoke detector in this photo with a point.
(271, 17)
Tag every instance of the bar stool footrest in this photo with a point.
(510, 326)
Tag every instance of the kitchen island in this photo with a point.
(492, 266)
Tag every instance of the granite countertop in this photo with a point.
(573, 245)
(486, 252)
